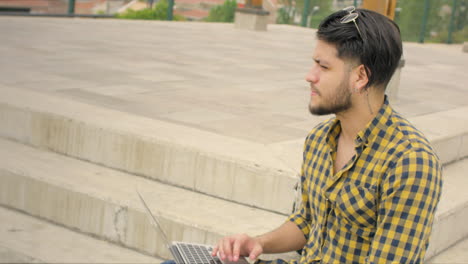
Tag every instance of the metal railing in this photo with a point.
(440, 21)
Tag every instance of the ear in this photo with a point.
(360, 78)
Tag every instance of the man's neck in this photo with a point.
(356, 119)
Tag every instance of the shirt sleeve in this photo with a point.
(410, 193)
(302, 215)
(275, 261)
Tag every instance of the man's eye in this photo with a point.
(323, 67)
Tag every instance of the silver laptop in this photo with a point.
(187, 253)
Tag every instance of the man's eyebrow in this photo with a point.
(320, 61)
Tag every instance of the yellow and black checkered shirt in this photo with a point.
(380, 207)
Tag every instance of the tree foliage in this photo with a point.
(222, 13)
(294, 8)
(409, 16)
(410, 19)
(324, 9)
(284, 16)
(158, 12)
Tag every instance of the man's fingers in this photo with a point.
(227, 249)
(236, 250)
(256, 251)
(230, 248)
(221, 249)
(215, 250)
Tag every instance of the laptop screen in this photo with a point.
(154, 221)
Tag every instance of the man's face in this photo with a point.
(329, 81)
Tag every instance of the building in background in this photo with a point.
(34, 6)
(61, 6)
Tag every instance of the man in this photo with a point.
(370, 180)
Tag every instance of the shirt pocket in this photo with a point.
(357, 206)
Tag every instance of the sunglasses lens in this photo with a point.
(349, 18)
(349, 9)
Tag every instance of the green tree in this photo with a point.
(324, 9)
(158, 12)
(291, 7)
(284, 16)
(222, 13)
(462, 17)
(410, 18)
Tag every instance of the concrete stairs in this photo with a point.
(192, 159)
(102, 202)
(456, 254)
(26, 239)
(78, 166)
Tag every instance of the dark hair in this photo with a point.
(379, 49)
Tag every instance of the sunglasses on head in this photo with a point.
(351, 17)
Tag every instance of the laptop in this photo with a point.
(187, 253)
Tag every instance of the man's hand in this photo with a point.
(238, 245)
(285, 238)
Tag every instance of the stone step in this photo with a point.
(456, 254)
(196, 160)
(26, 239)
(193, 159)
(103, 202)
(452, 212)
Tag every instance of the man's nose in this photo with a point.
(312, 76)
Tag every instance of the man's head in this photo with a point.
(351, 58)
(373, 41)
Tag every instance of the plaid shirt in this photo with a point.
(379, 207)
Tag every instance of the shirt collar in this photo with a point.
(332, 133)
(376, 126)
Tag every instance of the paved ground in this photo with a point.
(248, 85)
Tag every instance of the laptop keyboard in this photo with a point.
(198, 254)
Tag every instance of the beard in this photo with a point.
(340, 101)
